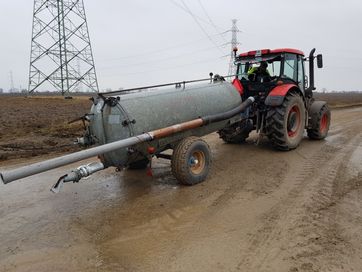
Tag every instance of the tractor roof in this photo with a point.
(258, 53)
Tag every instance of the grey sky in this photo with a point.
(143, 42)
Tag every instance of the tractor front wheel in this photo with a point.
(236, 133)
(320, 124)
(285, 123)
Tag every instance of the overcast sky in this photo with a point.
(141, 42)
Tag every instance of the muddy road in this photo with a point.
(259, 210)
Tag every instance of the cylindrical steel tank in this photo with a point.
(132, 114)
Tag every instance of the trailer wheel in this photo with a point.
(191, 161)
(320, 122)
(137, 165)
(285, 123)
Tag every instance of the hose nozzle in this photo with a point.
(77, 175)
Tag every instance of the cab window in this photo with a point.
(300, 73)
(274, 67)
(291, 67)
(242, 71)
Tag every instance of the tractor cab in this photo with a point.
(282, 66)
(286, 65)
(260, 71)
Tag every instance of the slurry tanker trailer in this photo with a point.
(130, 127)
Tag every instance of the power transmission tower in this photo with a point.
(234, 44)
(60, 45)
(78, 87)
(12, 87)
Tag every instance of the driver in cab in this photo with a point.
(260, 73)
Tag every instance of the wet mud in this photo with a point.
(259, 210)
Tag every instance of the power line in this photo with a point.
(200, 26)
(156, 60)
(196, 19)
(208, 17)
(188, 11)
(169, 67)
(154, 52)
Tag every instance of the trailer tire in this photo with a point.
(285, 123)
(191, 160)
(320, 122)
(138, 165)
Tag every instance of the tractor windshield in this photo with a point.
(246, 65)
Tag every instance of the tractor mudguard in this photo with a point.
(276, 96)
(238, 86)
(314, 110)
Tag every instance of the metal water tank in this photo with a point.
(132, 114)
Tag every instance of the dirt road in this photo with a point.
(259, 210)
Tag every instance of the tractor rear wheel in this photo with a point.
(191, 161)
(285, 123)
(320, 122)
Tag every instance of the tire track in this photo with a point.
(294, 226)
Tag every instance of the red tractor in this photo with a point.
(284, 104)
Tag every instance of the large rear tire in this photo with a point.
(320, 124)
(285, 123)
(191, 161)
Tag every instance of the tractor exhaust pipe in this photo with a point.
(311, 73)
(36, 168)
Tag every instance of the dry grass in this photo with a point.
(39, 125)
(340, 99)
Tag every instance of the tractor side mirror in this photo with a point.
(319, 61)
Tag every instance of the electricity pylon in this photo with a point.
(60, 45)
(234, 44)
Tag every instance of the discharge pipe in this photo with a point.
(36, 168)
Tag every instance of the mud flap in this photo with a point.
(275, 100)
